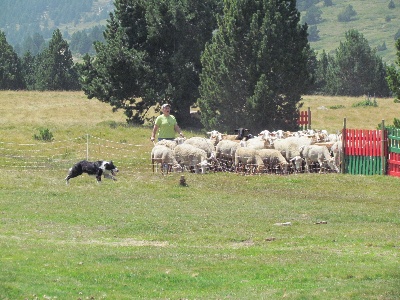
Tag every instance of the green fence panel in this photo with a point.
(364, 165)
(394, 140)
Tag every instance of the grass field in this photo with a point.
(221, 237)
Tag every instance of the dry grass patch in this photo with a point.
(60, 108)
(71, 110)
(324, 116)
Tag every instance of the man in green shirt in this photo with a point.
(165, 125)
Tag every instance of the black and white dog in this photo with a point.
(97, 168)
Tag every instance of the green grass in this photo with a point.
(214, 239)
(147, 237)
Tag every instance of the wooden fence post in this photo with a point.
(87, 146)
(343, 156)
(309, 117)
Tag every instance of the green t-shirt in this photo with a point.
(166, 126)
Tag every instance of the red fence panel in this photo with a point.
(361, 142)
(303, 118)
(394, 164)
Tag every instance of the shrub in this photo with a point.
(396, 124)
(365, 103)
(397, 35)
(44, 135)
(381, 47)
(347, 14)
(113, 124)
(313, 33)
(313, 16)
(336, 106)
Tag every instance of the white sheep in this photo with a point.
(277, 134)
(337, 150)
(201, 143)
(214, 133)
(225, 152)
(320, 154)
(265, 134)
(249, 158)
(290, 147)
(171, 143)
(215, 136)
(334, 137)
(280, 134)
(256, 143)
(298, 162)
(164, 155)
(273, 158)
(191, 157)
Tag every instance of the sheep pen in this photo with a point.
(267, 153)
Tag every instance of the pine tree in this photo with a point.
(393, 75)
(80, 42)
(356, 69)
(322, 67)
(10, 66)
(152, 53)
(28, 70)
(54, 67)
(256, 67)
(118, 72)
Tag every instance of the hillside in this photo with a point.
(370, 21)
(374, 19)
(20, 19)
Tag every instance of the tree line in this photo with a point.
(51, 69)
(80, 42)
(245, 63)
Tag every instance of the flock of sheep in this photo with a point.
(279, 152)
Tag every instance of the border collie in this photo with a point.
(97, 168)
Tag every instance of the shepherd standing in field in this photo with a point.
(166, 125)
